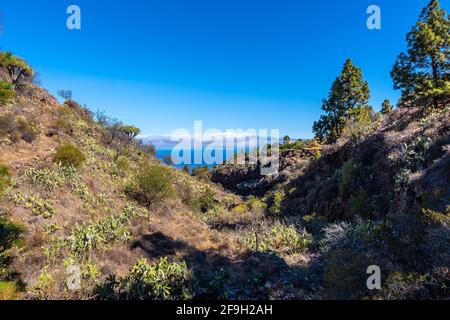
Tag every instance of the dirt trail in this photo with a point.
(26, 153)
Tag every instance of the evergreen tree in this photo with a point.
(424, 70)
(347, 100)
(386, 107)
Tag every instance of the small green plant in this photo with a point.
(8, 290)
(207, 200)
(6, 92)
(279, 238)
(4, 178)
(50, 178)
(35, 203)
(69, 155)
(240, 208)
(256, 205)
(152, 184)
(360, 204)
(8, 125)
(347, 175)
(123, 165)
(114, 229)
(164, 280)
(277, 200)
(27, 129)
(10, 235)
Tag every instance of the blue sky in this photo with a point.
(162, 64)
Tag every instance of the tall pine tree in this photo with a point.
(347, 100)
(386, 107)
(423, 72)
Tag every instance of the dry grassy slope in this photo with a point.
(170, 229)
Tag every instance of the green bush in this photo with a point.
(347, 174)
(200, 172)
(164, 280)
(114, 229)
(360, 204)
(279, 238)
(4, 178)
(27, 129)
(152, 184)
(8, 290)
(6, 92)
(10, 234)
(69, 155)
(277, 200)
(256, 205)
(207, 200)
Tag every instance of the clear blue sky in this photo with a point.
(161, 64)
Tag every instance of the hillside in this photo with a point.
(57, 216)
(383, 199)
(362, 211)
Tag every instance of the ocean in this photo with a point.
(226, 154)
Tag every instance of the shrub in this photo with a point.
(123, 165)
(6, 92)
(69, 155)
(279, 238)
(10, 234)
(240, 208)
(82, 111)
(29, 136)
(8, 290)
(277, 200)
(17, 68)
(200, 172)
(352, 176)
(207, 200)
(8, 125)
(164, 280)
(360, 204)
(345, 274)
(334, 235)
(63, 125)
(149, 149)
(49, 179)
(35, 203)
(114, 229)
(27, 129)
(152, 184)
(256, 205)
(4, 178)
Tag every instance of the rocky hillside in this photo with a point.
(74, 198)
(87, 212)
(383, 199)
